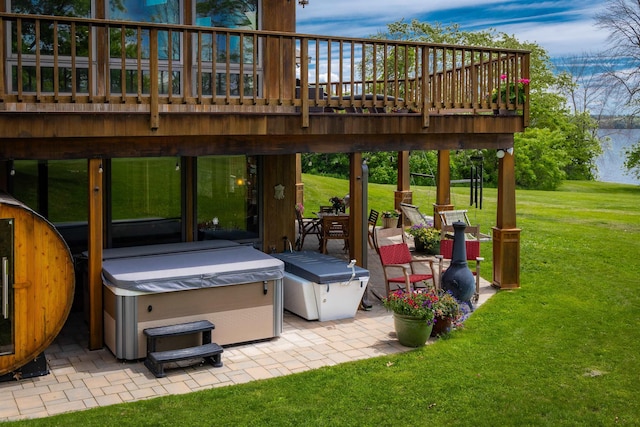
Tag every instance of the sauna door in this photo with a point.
(6, 295)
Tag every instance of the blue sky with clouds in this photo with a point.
(562, 27)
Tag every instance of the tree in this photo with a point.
(632, 162)
(540, 158)
(574, 133)
(622, 19)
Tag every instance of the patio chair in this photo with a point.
(447, 218)
(472, 248)
(335, 227)
(413, 214)
(396, 256)
(372, 222)
(306, 226)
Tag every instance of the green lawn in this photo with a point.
(561, 351)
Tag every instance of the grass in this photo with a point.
(560, 351)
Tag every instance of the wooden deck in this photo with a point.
(427, 96)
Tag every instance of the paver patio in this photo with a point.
(81, 379)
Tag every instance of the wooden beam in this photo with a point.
(443, 186)
(403, 193)
(356, 248)
(95, 245)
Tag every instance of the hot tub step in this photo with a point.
(155, 361)
(179, 329)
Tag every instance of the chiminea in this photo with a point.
(458, 278)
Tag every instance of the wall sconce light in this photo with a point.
(12, 172)
(502, 151)
(100, 170)
(177, 164)
(303, 3)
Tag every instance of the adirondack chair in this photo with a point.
(395, 256)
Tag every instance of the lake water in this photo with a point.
(611, 162)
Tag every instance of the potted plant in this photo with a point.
(390, 219)
(425, 237)
(413, 315)
(446, 311)
(507, 92)
(338, 204)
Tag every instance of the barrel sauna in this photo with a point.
(37, 284)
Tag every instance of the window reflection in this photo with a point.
(226, 49)
(227, 198)
(49, 40)
(125, 43)
(145, 201)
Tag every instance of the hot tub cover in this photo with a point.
(176, 271)
(318, 268)
(165, 248)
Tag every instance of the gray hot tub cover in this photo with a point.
(318, 268)
(192, 270)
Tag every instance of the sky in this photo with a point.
(565, 28)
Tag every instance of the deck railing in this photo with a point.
(65, 60)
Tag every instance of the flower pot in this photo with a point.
(389, 222)
(421, 248)
(441, 326)
(411, 331)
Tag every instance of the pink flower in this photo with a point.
(503, 77)
(524, 81)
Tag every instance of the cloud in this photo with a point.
(562, 27)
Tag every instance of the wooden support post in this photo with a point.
(403, 193)
(506, 237)
(95, 244)
(299, 183)
(356, 249)
(443, 187)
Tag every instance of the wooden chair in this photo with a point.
(335, 227)
(306, 226)
(414, 216)
(372, 222)
(395, 255)
(473, 252)
(447, 218)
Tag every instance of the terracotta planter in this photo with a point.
(411, 331)
(442, 326)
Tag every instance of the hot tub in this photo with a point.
(321, 287)
(237, 288)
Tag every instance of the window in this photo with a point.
(146, 201)
(124, 43)
(50, 36)
(227, 197)
(227, 50)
